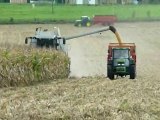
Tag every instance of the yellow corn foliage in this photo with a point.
(25, 66)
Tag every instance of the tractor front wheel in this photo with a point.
(132, 72)
(88, 24)
(110, 73)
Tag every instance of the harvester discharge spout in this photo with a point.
(86, 34)
(113, 29)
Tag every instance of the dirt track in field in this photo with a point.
(88, 54)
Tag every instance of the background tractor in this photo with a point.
(97, 19)
(84, 21)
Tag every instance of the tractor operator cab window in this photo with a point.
(121, 53)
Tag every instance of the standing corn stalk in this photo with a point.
(21, 66)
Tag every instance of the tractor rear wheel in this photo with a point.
(132, 72)
(110, 73)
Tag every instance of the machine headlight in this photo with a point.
(124, 62)
(120, 64)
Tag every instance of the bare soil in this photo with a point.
(93, 97)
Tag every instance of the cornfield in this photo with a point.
(25, 66)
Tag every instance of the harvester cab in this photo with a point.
(47, 38)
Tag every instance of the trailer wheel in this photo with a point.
(110, 73)
(132, 72)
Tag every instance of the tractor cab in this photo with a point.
(120, 59)
(84, 21)
(120, 53)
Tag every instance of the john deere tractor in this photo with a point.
(121, 60)
(84, 21)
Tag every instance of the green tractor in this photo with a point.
(121, 60)
(85, 21)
